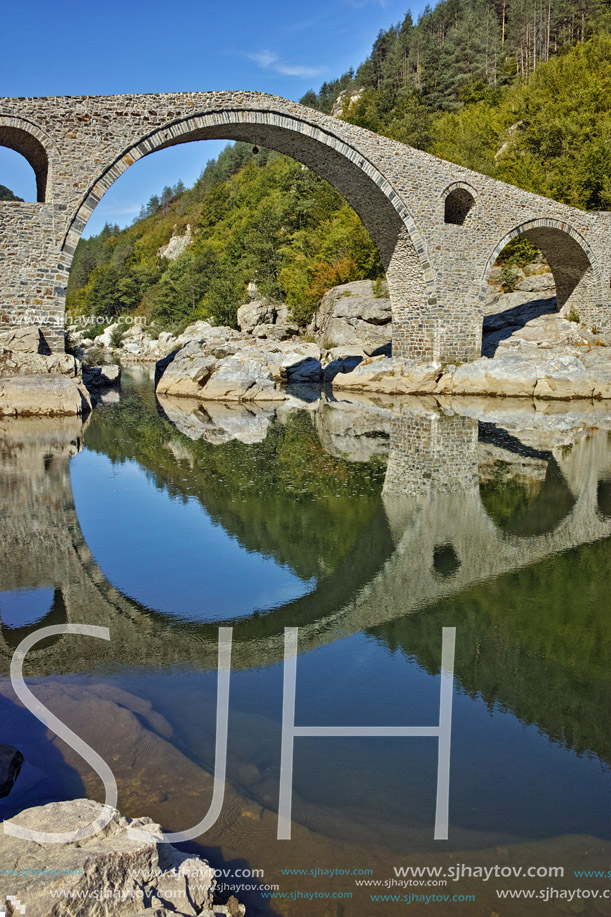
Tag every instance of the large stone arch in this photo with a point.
(33, 144)
(577, 275)
(401, 244)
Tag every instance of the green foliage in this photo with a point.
(519, 252)
(509, 278)
(7, 195)
(269, 220)
(550, 134)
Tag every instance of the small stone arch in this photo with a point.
(459, 200)
(574, 266)
(33, 144)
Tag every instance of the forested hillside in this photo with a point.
(517, 89)
(7, 195)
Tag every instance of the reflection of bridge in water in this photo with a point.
(432, 538)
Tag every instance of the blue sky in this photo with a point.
(66, 47)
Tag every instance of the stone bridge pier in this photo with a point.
(438, 227)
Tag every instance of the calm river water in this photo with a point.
(370, 526)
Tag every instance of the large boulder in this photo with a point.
(382, 374)
(20, 363)
(527, 375)
(241, 378)
(126, 863)
(355, 316)
(195, 372)
(537, 283)
(187, 372)
(257, 312)
(43, 395)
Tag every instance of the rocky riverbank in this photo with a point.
(529, 350)
(36, 382)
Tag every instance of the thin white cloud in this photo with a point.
(359, 4)
(269, 60)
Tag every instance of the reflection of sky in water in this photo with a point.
(23, 607)
(167, 553)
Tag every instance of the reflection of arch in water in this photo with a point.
(524, 506)
(50, 610)
(390, 573)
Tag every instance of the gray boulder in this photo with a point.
(133, 869)
(537, 283)
(257, 312)
(351, 315)
(241, 378)
(43, 395)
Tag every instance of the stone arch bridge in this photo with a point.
(438, 227)
(431, 500)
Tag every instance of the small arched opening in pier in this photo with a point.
(24, 158)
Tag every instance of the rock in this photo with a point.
(104, 340)
(307, 370)
(537, 283)
(142, 874)
(287, 355)
(351, 315)
(382, 374)
(256, 312)
(98, 376)
(11, 760)
(239, 378)
(512, 375)
(20, 363)
(284, 320)
(346, 96)
(176, 246)
(522, 375)
(195, 373)
(110, 374)
(25, 339)
(43, 395)
(185, 372)
(271, 332)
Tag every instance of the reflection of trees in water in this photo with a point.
(535, 642)
(284, 497)
(523, 506)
